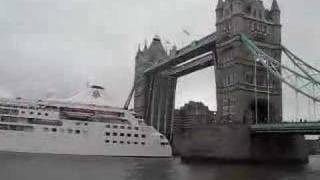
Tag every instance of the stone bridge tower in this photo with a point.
(235, 68)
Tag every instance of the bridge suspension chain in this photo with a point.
(307, 83)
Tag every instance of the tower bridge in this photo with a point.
(246, 53)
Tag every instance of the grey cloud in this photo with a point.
(58, 45)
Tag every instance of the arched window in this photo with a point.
(254, 13)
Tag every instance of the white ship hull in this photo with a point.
(79, 144)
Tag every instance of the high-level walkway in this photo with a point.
(306, 128)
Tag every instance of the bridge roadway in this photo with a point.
(305, 128)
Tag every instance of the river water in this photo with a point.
(47, 167)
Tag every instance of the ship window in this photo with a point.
(78, 123)
(143, 143)
(54, 129)
(46, 114)
(39, 113)
(129, 135)
(86, 124)
(143, 136)
(128, 142)
(107, 134)
(135, 142)
(77, 131)
(3, 127)
(108, 126)
(115, 126)
(114, 142)
(107, 141)
(46, 129)
(31, 112)
(121, 127)
(129, 127)
(70, 130)
(136, 135)
(136, 128)
(16, 127)
(114, 134)
(22, 112)
(121, 142)
(121, 134)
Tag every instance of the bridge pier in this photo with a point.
(235, 143)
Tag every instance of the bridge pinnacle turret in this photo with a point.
(275, 6)
(219, 9)
(275, 12)
(145, 46)
(220, 4)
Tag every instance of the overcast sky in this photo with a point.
(59, 45)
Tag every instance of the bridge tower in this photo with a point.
(154, 93)
(246, 92)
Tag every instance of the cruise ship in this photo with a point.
(80, 125)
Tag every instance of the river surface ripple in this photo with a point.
(48, 167)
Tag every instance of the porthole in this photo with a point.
(136, 128)
(108, 126)
(54, 129)
(129, 135)
(143, 143)
(121, 142)
(115, 126)
(107, 134)
(114, 134)
(77, 131)
(70, 130)
(46, 114)
(136, 135)
(122, 134)
(121, 127)
(129, 128)
(135, 142)
(114, 142)
(143, 136)
(107, 141)
(39, 113)
(128, 142)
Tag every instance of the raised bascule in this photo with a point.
(246, 53)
